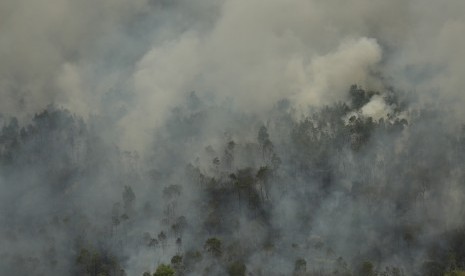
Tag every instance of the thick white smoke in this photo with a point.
(126, 67)
(251, 52)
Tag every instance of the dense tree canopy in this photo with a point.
(335, 192)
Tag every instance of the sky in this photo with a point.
(165, 84)
(132, 60)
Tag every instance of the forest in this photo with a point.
(232, 137)
(333, 193)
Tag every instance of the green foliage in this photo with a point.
(237, 269)
(164, 270)
(335, 145)
(191, 258)
(180, 225)
(367, 269)
(213, 246)
(455, 273)
(95, 263)
(432, 268)
(176, 260)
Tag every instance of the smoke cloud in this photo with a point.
(273, 137)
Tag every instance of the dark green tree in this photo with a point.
(213, 246)
(237, 268)
(164, 270)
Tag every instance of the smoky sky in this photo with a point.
(148, 90)
(101, 57)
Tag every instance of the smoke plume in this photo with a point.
(232, 137)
